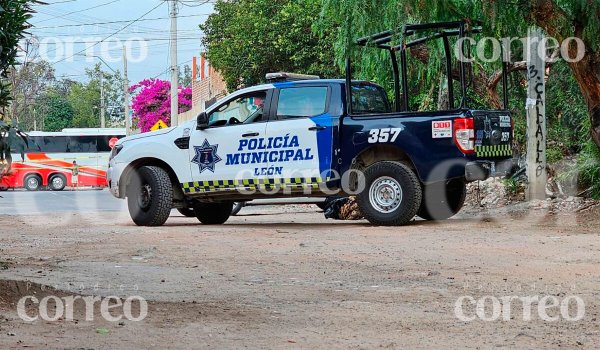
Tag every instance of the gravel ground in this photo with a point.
(286, 278)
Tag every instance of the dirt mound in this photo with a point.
(12, 291)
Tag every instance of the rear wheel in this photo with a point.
(187, 212)
(213, 213)
(443, 200)
(32, 182)
(57, 182)
(392, 195)
(150, 196)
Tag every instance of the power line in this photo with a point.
(79, 11)
(115, 33)
(113, 22)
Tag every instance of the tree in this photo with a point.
(14, 17)
(153, 102)
(29, 81)
(85, 99)
(559, 18)
(185, 76)
(59, 112)
(248, 38)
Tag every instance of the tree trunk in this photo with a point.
(555, 22)
(587, 73)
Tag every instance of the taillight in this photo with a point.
(464, 135)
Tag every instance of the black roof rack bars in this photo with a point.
(384, 39)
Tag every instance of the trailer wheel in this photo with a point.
(150, 196)
(213, 213)
(442, 200)
(57, 182)
(392, 195)
(32, 182)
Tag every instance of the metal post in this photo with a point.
(396, 80)
(174, 68)
(126, 93)
(536, 116)
(349, 85)
(102, 103)
(449, 72)
(404, 79)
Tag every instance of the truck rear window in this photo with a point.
(367, 99)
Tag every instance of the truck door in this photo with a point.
(301, 134)
(219, 155)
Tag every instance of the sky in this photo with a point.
(69, 32)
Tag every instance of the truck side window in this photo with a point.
(302, 102)
(245, 109)
(367, 99)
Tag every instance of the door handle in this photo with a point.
(251, 134)
(317, 128)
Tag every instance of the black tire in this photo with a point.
(402, 194)
(187, 212)
(237, 207)
(3, 188)
(213, 213)
(32, 182)
(57, 182)
(150, 196)
(443, 200)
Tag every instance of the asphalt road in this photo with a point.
(85, 201)
(47, 202)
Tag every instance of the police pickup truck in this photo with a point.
(301, 137)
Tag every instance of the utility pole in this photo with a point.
(536, 115)
(102, 103)
(174, 67)
(126, 92)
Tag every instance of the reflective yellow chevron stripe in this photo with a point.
(233, 185)
(493, 151)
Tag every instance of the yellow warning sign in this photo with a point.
(159, 125)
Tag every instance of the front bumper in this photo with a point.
(482, 170)
(113, 176)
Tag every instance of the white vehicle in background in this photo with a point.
(49, 159)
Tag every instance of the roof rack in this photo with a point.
(283, 77)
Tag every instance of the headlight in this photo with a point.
(115, 151)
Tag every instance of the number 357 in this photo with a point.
(384, 135)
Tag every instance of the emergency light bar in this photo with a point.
(283, 77)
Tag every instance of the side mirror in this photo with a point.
(202, 121)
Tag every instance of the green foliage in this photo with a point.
(85, 100)
(247, 39)
(14, 17)
(59, 112)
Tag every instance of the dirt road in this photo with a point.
(285, 278)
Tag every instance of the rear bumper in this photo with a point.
(482, 170)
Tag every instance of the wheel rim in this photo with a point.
(33, 183)
(145, 198)
(385, 194)
(57, 182)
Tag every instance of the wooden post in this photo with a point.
(536, 115)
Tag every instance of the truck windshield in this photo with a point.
(369, 99)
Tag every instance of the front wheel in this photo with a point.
(443, 200)
(392, 195)
(150, 196)
(213, 213)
